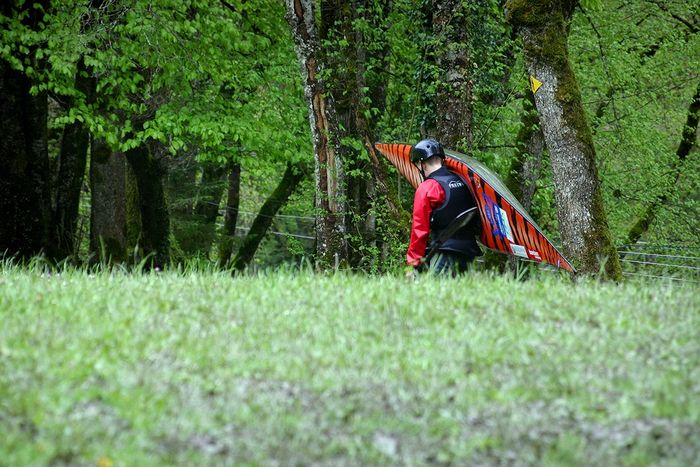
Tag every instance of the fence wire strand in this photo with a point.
(670, 278)
(637, 259)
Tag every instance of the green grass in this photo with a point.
(301, 369)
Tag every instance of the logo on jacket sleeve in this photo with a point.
(455, 184)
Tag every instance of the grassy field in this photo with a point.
(305, 369)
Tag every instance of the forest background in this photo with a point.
(171, 131)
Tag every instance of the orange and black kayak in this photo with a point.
(506, 226)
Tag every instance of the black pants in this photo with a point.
(449, 263)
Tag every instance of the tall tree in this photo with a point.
(355, 53)
(155, 220)
(543, 27)
(108, 203)
(454, 86)
(71, 173)
(331, 244)
(24, 161)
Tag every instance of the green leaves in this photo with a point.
(187, 73)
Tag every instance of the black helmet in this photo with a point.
(425, 149)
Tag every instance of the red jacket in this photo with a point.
(429, 196)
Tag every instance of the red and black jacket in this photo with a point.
(438, 200)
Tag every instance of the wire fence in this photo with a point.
(680, 263)
(675, 262)
(650, 261)
(281, 234)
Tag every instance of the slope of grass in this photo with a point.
(287, 369)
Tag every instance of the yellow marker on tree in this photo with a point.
(534, 84)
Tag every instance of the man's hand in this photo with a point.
(411, 273)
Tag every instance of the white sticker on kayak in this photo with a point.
(504, 226)
(534, 254)
(518, 250)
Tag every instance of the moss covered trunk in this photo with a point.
(526, 166)
(108, 204)
(357, 62)
(343, 66)
(454, 87)
(543, 27)
(155, 220)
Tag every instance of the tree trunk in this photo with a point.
(71, 174)
(688, 139)
(353, 71)
(339, 58)
(454, 88)
(155, 221)
(133, 217)
(331, 244)
(231, 215)
(293, 175)
(582, 220)
(108, 204)
(24, 167)
(25, 204)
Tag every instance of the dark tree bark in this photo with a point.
(688, 140)
(293, 175)
(133, 217)
(24, 161)
(231, 215)
(155, 220)
(341, 61)
(543, 26)
(331, 244)
(454, 90)
(108, 204)
(71, 174)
